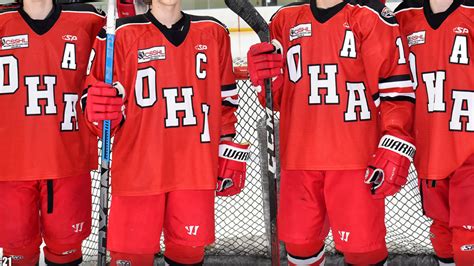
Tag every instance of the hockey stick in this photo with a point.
(245, 10)
(106, 142)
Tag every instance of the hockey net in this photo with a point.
(242, 228)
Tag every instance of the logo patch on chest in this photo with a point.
(14, 42)
(416, 38)
(151, 54)
(299, 31)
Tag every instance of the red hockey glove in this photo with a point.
(264, 63)
(388, 169)
(232, 168)
(105, 102)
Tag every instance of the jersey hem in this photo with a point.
(158, 192)
(46, 177)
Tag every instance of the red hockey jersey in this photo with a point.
(180, 99)
(42, 70)
(441, 54)
(346, 83)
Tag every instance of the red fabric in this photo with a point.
(136, 222)
(141, 48)
(441, 238)
(441, 148)
(119, 259)
(367, 258)
(184, 254)
(448, 199)
(307, 197)
(25, 256)
(463, 246)
(232, 168)
(343, 140)
(46, 143)
(26, 203)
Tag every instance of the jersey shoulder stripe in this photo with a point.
(409, 4)
(82, 8)
(288, 6)
(4, 9)
(139, 19)
(375, 6)
(195, 18)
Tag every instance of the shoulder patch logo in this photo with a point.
(387, 13)
(416, 38)
(461, 30)
(299, 31)
(151, 54)
(14, 42)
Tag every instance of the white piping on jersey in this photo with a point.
(407, 9)
(8, 12)
(376, 13)
(306, 261)
(232, 101)
(130, 24)
(230, 93)
(99, 38)
(395, 84)
(286, 7)
(396, 94)
(82, 12)
(467, 6)
(377, 102)
(208, 20)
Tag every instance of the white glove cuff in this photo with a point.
(398, 146)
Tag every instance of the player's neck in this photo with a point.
(166, 14)
(438, 6)
(324, 4)
(38, 9)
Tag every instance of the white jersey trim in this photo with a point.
(130, 24)
(82, 12)
(8, 12)
(396, 84)
(208, 20)
(306, 261)
(397, 94)
(407, 9)
(225, 94)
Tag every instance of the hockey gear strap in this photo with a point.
(232, 168)
(388, 169)
(105, 102)
(264, 61)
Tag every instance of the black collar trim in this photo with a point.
(323, 15)
(40, 27)
(178, 31)
(435, 20)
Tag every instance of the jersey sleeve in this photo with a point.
(229, 90)
(384, 54)
(96, 73)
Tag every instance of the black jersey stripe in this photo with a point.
(396, 78)
(398, 99)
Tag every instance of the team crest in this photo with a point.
(387, 13)
(15, 42)
(416, 38)
(151, 54)
(299, 31)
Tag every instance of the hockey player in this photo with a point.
(345, 88)
(441, 40)
(174, 140)
(47, 151)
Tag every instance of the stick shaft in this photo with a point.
(106, 139)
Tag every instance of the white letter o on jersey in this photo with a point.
(148, 74)
(11, 63)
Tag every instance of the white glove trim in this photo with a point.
(398, 145)
(233, 153)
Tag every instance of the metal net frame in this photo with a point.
(241, 221)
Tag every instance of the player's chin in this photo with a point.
(168, 2)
